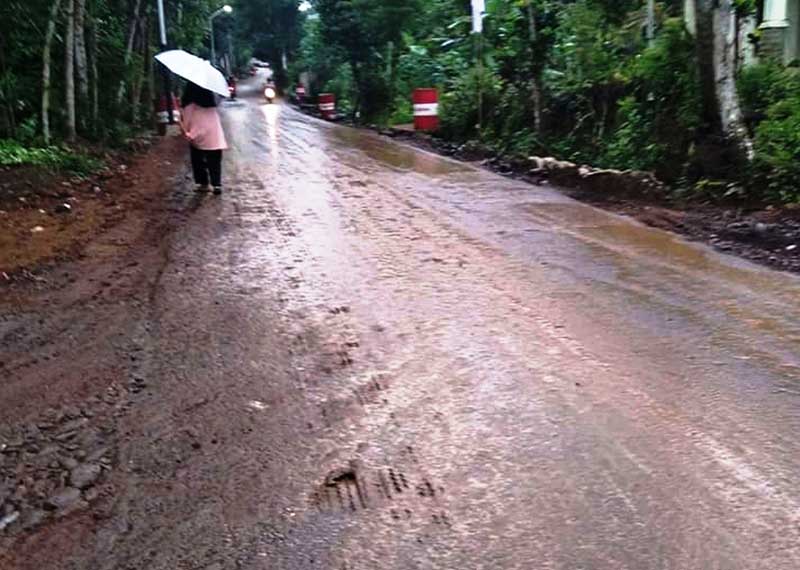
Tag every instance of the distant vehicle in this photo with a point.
(232, 87)
(270, 93)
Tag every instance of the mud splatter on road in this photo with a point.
(365, 356)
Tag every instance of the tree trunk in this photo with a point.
(149, 63)
(536, 80)
(357, 80)
(48, 44)
(704, 46)
(8, 108)
(129, 48)
(69, 71)
(81, 63)
(95, 93)
(139, 78)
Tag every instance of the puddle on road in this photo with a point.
(393, 154)
(622, 235)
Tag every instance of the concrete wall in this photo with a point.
(780, 30)
(791, 36)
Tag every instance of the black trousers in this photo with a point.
(207, 164)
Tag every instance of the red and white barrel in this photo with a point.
(162, 113)
(426, 109)
(327, 105)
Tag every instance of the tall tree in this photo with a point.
(69, 70)
(95, 80)
(7, 118)
(363, 30)
(537, 66)
(81, 60)
(270, 29)
(132, 27)
(46, 63)
(704, 44)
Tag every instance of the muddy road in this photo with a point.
(364, 356)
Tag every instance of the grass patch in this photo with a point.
(55, 158)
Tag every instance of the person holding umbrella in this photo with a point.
(202, 127)
(200, 120)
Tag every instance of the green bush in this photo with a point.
(776, 165)
(770, 97)
(343, 86)
(403, 113)
(375, 96)
(764, 84)
(512, 122)
(631, 146)
(458, 109)
(417, 68)
(13, 153)
(658, 120)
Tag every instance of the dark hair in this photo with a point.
(195, 94)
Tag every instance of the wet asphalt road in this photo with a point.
(397, 361)
(519, 381)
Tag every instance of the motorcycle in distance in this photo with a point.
(232, 87)
(270, 94)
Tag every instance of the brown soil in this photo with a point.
(770, 236)
(106, 250)
(74, 311)
(47, 217)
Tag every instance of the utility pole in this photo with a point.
(213, 47)
(226, 9)
(231, 60)
(478, 11)
(162, 30)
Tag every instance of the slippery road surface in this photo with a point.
(391, 360)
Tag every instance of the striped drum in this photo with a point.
(327, 105)
(162, 113)
(426, 109)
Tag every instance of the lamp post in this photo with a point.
(226, 9)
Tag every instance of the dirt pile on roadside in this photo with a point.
(46, 216)
(59, 435)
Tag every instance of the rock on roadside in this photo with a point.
(64, 499)
(85, 475)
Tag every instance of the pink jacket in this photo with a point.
(203, 128)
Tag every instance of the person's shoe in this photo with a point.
(217, 190)
(201, 188)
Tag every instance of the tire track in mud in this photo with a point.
(339, 380)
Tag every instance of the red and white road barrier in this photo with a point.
(162, 113)
(426, 109)
(327, 105)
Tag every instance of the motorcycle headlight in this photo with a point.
(270, 93)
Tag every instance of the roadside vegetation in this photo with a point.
(79, 74)
(578, 80)
(58, 158)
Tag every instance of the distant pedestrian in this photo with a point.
(202, 127)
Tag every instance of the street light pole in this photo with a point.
(213, 51)
(226, 9)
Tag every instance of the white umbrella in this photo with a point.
(192, 68)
